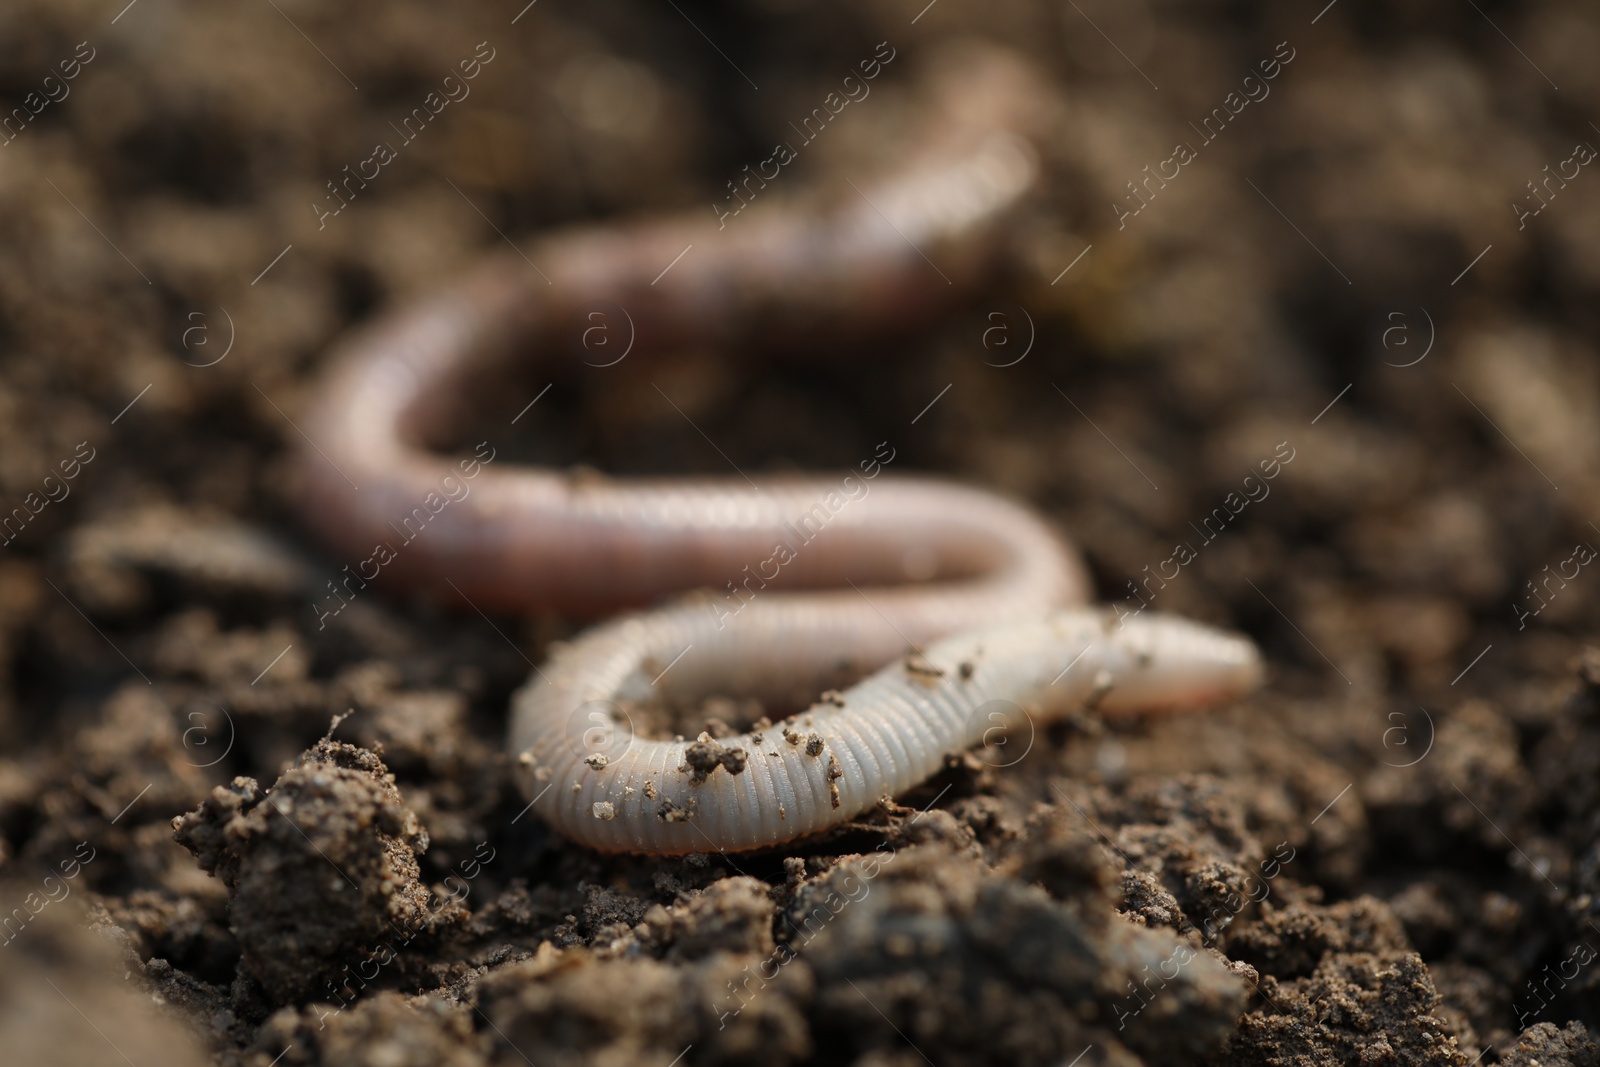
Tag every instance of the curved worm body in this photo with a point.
(599, 783)
(529, 538)
(865, 567)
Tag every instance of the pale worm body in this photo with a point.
(925, 558)
(599, 783)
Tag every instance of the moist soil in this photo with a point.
(232, 835)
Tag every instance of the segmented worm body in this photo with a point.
(850, 571)
(603, 785)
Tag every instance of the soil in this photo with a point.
(231, 836)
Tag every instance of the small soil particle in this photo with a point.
(705, 755)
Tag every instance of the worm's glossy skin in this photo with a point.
(901, 562)
(599, 783)
(537, 538)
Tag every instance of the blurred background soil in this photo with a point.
(1387, 857)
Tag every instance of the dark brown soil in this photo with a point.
(1390, 856)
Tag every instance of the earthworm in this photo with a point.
(598, 782)
(921, 558)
